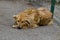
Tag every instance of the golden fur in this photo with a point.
(31, 18)
(45, 16)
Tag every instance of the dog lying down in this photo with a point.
(32, 18)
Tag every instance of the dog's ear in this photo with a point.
(15, 16)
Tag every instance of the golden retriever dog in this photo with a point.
(32, 18)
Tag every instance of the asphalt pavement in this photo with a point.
(8, 9)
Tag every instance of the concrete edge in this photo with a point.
(57, 20)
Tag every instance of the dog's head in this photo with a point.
(21, 22)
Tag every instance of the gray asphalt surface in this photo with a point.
(7, 10)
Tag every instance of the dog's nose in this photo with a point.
(19, 28)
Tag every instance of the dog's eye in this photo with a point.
(22, 21)
(18, 21)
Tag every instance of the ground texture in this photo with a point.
(8, 9)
